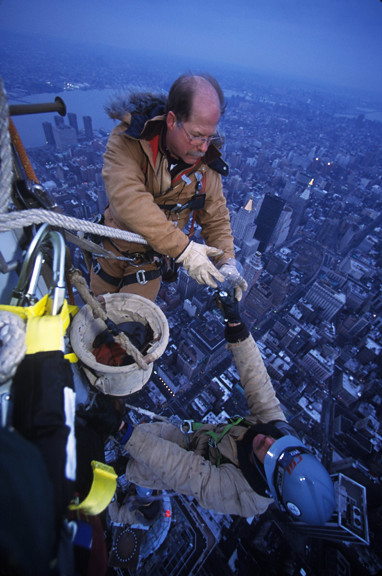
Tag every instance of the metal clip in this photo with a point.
(199, 185)
(141, 277)
(25, 292)
(186, 426)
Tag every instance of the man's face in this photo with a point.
(202, 124)
(261, 445)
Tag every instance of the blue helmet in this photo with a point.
(299, 483)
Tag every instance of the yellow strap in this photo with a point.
(101, 491)
(42, 307)
(71, 357)
(44, 334)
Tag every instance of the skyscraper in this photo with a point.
(88, 125)
(243, 222)
(323, 297)
(282, 227)
(299, 206)
(244, 227)
(186, 285)
(266, 221)
(59, 121)
(72, 118)
(64, 136)
(48, 131)
(252, 270)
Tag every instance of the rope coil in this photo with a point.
(5, 152)
(13, 345)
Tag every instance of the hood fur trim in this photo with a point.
(142, 103)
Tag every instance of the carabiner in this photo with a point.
(24, 293)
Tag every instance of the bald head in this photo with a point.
(191, 95)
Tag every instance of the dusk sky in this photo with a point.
(338, 41)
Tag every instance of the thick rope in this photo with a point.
(13, 346)
(98, 312)
(22, 218)
(5, 152)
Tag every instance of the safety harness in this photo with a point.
(214, 437)
(166, 267)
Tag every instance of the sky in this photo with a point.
(332, 41)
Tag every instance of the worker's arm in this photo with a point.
(261, 396)
(156, 462)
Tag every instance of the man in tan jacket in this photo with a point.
(235, 468)
(162, 172)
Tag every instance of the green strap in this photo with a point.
(216, 439)
(197, 425)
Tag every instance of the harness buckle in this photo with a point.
(141, 277)
(186, 426)
(96, 267)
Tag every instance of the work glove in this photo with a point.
(229, 305)
(195, 260)
(233, 278)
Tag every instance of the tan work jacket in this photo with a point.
(138, 181)
(159, 460)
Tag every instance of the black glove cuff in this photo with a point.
(236, 333)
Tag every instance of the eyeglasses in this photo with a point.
(198, 140)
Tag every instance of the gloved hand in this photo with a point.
(195, 260)
(233, 278)
(227, 301)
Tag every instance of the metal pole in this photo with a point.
(57, 106)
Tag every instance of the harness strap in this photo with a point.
(215, 438)
(139, 277)
(201, 191)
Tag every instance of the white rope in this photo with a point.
(5, 152)
(13, 346)
(23, 218)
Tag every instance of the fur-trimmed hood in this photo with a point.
(135, 108)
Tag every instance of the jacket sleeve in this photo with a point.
(131, 204)
(214, 218)
(263, 404)
(159, 463)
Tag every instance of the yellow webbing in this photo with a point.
(41, 308)
(101, 491)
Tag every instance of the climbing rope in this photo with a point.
(13, 346)
(22, 218)
(5, 152)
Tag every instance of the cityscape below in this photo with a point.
(304, 192)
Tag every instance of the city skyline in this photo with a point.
(335, 43)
